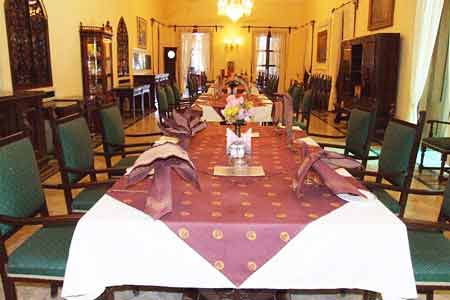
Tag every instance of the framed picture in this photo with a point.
(381, 14)
(141, 33)
(322, 40)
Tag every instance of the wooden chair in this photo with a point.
(42, 257)
(180, 103)
(430, 249)
(75, 155)
(436, 143)
(163, 105)
(397, 162)
(113, 139)
(358, 141)
(304, 122)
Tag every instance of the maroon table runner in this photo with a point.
(238, 224)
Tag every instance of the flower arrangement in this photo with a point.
(238, 109)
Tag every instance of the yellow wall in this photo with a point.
(64, 21)
(405, 10)
(265, 12)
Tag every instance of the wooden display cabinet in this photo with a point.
(368, 76)
(96, 60)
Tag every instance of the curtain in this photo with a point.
(428, 16)
(195, 53)
(435, 99)
(277, 56)
(335, 55)
(187, 40)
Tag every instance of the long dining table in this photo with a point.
(242, 232)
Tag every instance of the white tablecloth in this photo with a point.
(361, 245)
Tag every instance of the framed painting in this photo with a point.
(322, 40)
(141, 33)
(381, 14)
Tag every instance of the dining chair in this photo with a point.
(297, 94)
(75, 155)
(163, 105)
(42, 257)
(113, 139)
(171, 101)
(396, 164)
(360, 130)
(180, 102)
(430, 249)
(437, 143)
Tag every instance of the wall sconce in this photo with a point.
(232, 43)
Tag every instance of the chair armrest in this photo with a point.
(425, 225)
(48, 221)
(326, 145)
(144, 134)
(326, 136)
(93, 171)
(135, 145)
(384, 186)
(80, 185)
(438, 122)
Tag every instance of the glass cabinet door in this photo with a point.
(94, 65)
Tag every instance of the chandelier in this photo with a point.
(234, 9)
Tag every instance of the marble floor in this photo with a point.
(417, 208)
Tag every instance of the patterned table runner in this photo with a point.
(238, 224)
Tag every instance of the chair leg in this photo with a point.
(443, 161)
(422, 157)
(430, 296)
(53, 290)
(9, 289)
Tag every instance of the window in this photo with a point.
(268, 51)
(29, 50)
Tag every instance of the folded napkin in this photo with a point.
(160, 160)
(245, 138)
(325, 163)
(183, 126)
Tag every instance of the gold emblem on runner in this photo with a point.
(185, 213)
(183, 233)
(246, 203)
(248, 215)
(219, 265)
(217, 234)
(276, 204)
(313, 216)
(216, 203)
(251, 265)
(251, 235)
(281, 216)
(216, 214)
(284, 236)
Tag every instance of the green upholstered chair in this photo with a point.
(437, 143)
(163, 104)
(430, 249)
(171, 101)
(75, 155)
(361, 125)
(42, 257)
(113, 138)
(397, 162)
(296, 92)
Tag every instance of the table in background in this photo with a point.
(132, 92)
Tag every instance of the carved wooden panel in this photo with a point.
(123, 60)
(28, 42)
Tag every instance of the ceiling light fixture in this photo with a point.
(234, 9)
